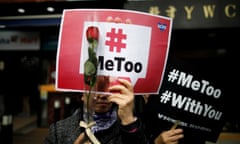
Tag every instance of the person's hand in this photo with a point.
(80, 139)
(123, 96)
(171, 136)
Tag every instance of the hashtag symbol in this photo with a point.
(173, 75)
(165, 97)
(115, 40)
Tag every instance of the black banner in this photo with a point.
(195, 100)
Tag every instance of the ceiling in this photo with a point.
(50, 8)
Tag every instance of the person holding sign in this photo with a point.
(158, 133)
(115, 122)
(171, 136)
(114, 42)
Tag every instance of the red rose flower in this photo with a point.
(92, 33)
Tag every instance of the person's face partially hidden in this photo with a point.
(99, 102)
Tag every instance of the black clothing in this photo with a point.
(66, 132)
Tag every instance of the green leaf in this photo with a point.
(89, 68)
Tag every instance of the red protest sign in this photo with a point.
(137, 51)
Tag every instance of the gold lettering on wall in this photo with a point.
(189, 11)
(154, 10)
(230, 10)
(170, 12)
(208, 11)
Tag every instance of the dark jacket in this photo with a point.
(66, 132)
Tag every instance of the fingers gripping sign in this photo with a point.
(124, 98)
